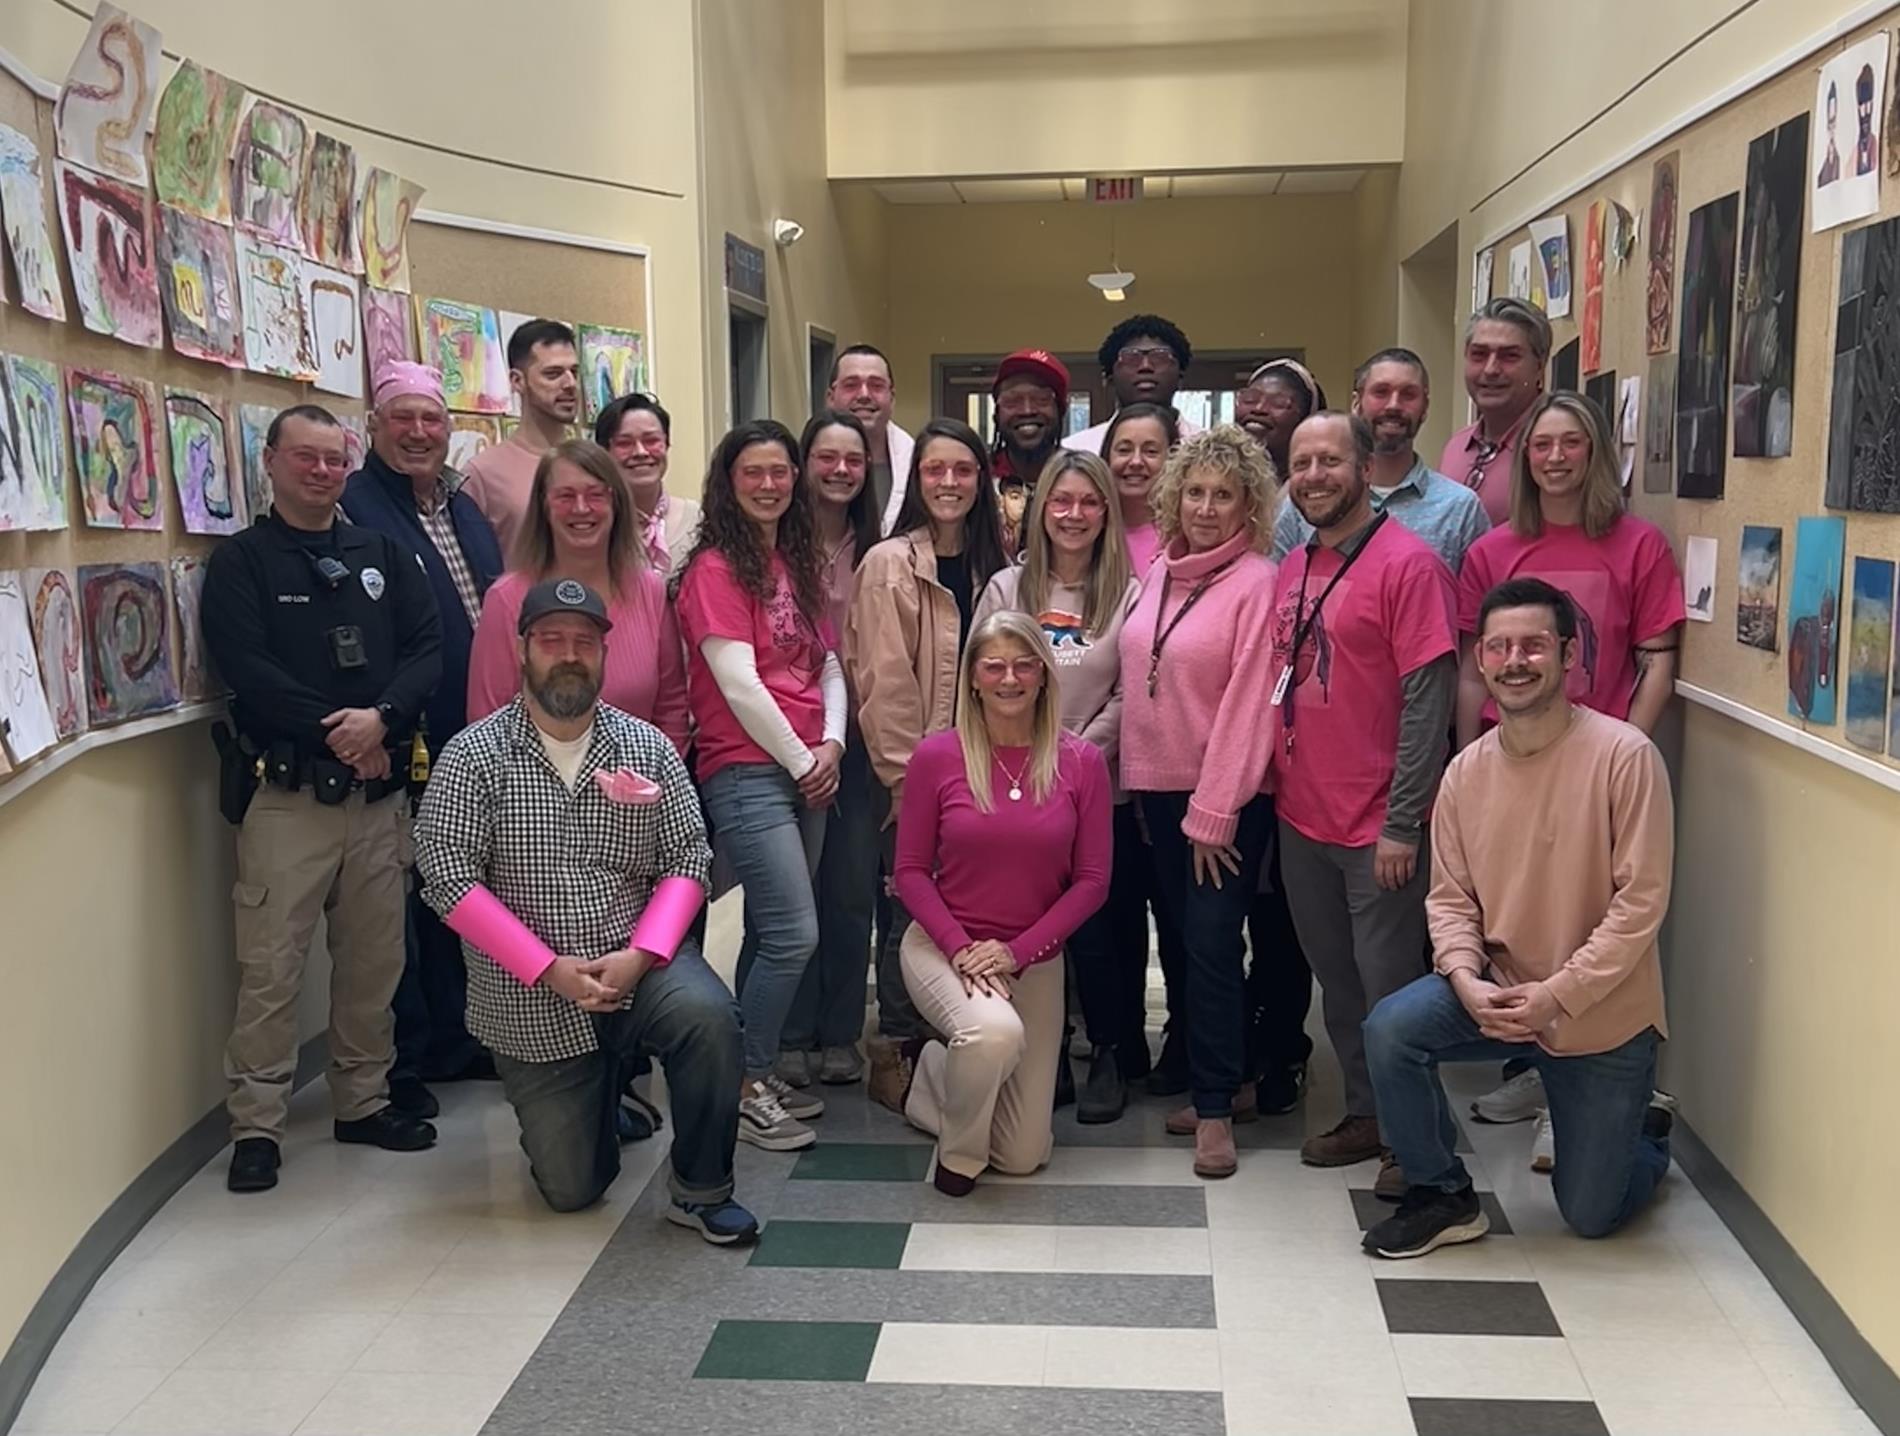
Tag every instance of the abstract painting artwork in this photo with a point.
(1600, 389)
(464, 342)
(113, 450)
(267, 172)
(327, 198)
(389, 201)
(336, 329)
(1708, 309)
(201, 463)
(1551, 238)
(104, 110)
(1844, 160)
(1659, 427)
(1698, 577)
(389, 329)
(469, 434)
(1591, 326)
(1565, 366)
(1660, 307)
(23, 205)
(1766, 291)
(1869, 654)
(276, 327)
(127, 640)
(1758, 588)
(253, 428)
(1863, 446)
(613, 362)
(32, 445)
(195, 680)
(25, 715)
(191, 145)
(54, 607)
(1814, 618)
(114, 260)
(198, 282)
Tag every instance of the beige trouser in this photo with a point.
(297, 858)
(988, 1096)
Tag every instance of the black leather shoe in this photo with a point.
(389, 1129)
(1104, 1094)
(254, 1164)
(409, 1097)
(1280, 1090)
(1170, 1075)
(1065, 1082)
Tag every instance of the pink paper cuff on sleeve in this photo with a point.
(668, 915)
(481, 918)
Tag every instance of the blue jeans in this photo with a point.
(763, 828)
(567, 1108)
(1108, 953)
(829, 1008)
(1607, 1167)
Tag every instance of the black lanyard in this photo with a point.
(1162, 634)
(1304, 621)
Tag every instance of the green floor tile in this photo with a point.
(789, 1351)
(863, 1162)
(834, 1244)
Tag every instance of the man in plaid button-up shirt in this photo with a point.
(541, 805)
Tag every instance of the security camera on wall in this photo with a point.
(787, 232)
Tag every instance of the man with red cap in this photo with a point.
(1031, 393)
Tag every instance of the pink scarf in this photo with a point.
(655, 524)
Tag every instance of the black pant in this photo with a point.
(1109, 953)
(432, 1038)
(1279, 981)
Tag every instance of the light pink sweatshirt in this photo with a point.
(1209, 727)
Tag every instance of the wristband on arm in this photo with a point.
(667, 917)
(482, 920)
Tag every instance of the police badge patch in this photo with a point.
(373, 583)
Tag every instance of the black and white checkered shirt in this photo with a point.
(576, 868)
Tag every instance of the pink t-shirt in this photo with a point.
(1388, 617)
(1144, 542)
(1625, 585)
(789, 650)
(499, 479)
(1492, 477)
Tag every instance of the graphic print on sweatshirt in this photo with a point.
(1067, 634)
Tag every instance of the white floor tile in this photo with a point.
(369, 1233)
(1800, 1374)
(1753, 1306)
(551, 1236)
(1307, 1200)
(1322, 1382)
(101, 1337)
(1635, 1418)
(468, 1286)
(1345, 1302)
(1498, 1368)
(1630, 1306)
(1150, 1251)
(375, 1403)
(976, 1246)
(1284, 1252)
(262, 1340)
(445, 1344)
(360, 1284)
(86, 1399)
(1672, 1371)
(1133, 1359)
(206, 1284)
(956, 1354)
(229, 1403)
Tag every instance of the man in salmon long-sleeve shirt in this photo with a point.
(1551, 853)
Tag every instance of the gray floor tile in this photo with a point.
(996, 1202)
(1440, 1416)
(1468, 1308)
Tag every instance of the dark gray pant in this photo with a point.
(897, 1015)
(1362, 941)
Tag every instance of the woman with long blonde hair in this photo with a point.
(1003, 849)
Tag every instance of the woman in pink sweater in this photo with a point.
(582, 523)
(1197, 733)
(1003, 848)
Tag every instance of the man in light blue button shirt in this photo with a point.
(1392, 392)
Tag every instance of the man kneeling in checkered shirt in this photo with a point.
(563, 840)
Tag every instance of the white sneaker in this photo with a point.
(1518, 1100)
(802, 1105)
(764, 1123)
(1543, 1144)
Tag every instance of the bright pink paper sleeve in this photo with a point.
(668, 915)
(481, 918)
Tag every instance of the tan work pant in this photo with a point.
(296, 858)
(988, 1095)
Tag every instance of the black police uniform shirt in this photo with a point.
(275, 627)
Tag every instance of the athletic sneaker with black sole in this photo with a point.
(1427, 1219)
(724, 1224)
(764, 1123)
(1279, 1090)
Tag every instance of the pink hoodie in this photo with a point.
(1208, 730)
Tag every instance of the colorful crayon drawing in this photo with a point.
(108, 230)
(336, 329)
(56, 628)
(1869, 654)
(267, 172)
(1552, 240)
(276, 327)
(1661, 299)
(28, 718)
(32, 445)
(128, 647)
(191, 145)
(201, 463)
(104, 110)
(113, 450)
(464, 342)
(469, 434)
(253, 427)
(327, 200)
(389, 201)
(389, 328)
(23, 204)
(1758, 588)
(613, 362)
(197, 280)
(196, 681)
(1814, 619)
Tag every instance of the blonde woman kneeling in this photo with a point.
(1004, 844)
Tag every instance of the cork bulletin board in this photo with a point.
(571, 282)
(1713, 157)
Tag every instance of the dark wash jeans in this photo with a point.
(1108, 954)
(829, 1008)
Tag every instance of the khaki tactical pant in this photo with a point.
(298, 858)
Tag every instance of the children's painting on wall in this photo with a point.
(23, 207)
(1863, 462)
(464, 342)
(201, 463)
(1551, 238)
(56, 628)
(195, 679)
(613, 363)
(1517, 271)
(276, 327)
(254, 422)
(113, 450)
(29, 727)
(1869, 654)
(1844, 160)
(327, 198)
(114, 261)
(469, 434)
(198, 281)
(1758, 588)
(1708, 310)
(389, 201)
(1660, 301)
(128, 648)
(389, 329)
(191, 147)
(267, 173)
(336, 334)
(104, 110)
(32, 445)
(1659, 427)
(1767, 291)
(1698, 577)
(1814, 619)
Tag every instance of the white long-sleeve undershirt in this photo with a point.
(735, 668)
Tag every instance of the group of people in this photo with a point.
(973, 717)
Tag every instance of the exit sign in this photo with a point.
(1125, 190)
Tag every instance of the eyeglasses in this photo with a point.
(1536, 646)
(759, 473)
(1086, 504)
(859, 384)
(627, 443)
(995, 670)
(1158, 355)
(571, 499)
(963, 471)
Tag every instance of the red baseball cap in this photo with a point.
(1037, 364)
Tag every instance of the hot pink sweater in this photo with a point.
(1208, 729)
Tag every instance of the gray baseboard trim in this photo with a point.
(1863, 1372)
(109, 1236)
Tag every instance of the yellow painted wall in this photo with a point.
(1072, 87)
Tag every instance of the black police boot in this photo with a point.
(1104, 1094)
(1065, 1081)
(254, 1164)
(409, 1097)
(389, 1129)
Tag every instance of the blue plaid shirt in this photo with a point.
(1441, 511)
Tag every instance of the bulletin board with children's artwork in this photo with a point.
(1749, 364)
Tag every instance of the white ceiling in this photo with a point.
(1185, 186)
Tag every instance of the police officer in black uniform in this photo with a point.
(330, 641)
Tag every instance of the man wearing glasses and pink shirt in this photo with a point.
(1507, 345)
